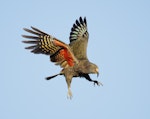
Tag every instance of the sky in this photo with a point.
(119, 43)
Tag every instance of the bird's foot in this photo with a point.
(98, 83)
(69, 95)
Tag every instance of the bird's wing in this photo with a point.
(79, 38)
(59, 52)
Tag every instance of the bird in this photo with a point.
(71, 57)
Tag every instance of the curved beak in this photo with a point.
(97, 72)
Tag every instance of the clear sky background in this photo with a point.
(119, 44)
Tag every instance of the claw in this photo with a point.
(98, 83)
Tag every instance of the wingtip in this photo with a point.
(82, 17)
(26, 29)
(83, 20)
(23, 36)
(24, 41)
(32, 27)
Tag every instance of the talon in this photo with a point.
(98, 83)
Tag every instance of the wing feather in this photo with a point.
(79, 38)
(59, 52)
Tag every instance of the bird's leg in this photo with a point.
(95, 82)
(50, 77)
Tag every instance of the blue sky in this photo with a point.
(119, 44)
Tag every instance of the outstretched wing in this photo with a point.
(79, 38)
(59, 52)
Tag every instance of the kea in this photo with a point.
(72, 57)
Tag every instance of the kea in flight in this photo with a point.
(71, 57)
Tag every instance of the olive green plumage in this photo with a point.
(72, 58)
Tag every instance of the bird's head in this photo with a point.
(93, 68)
(89, 68)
